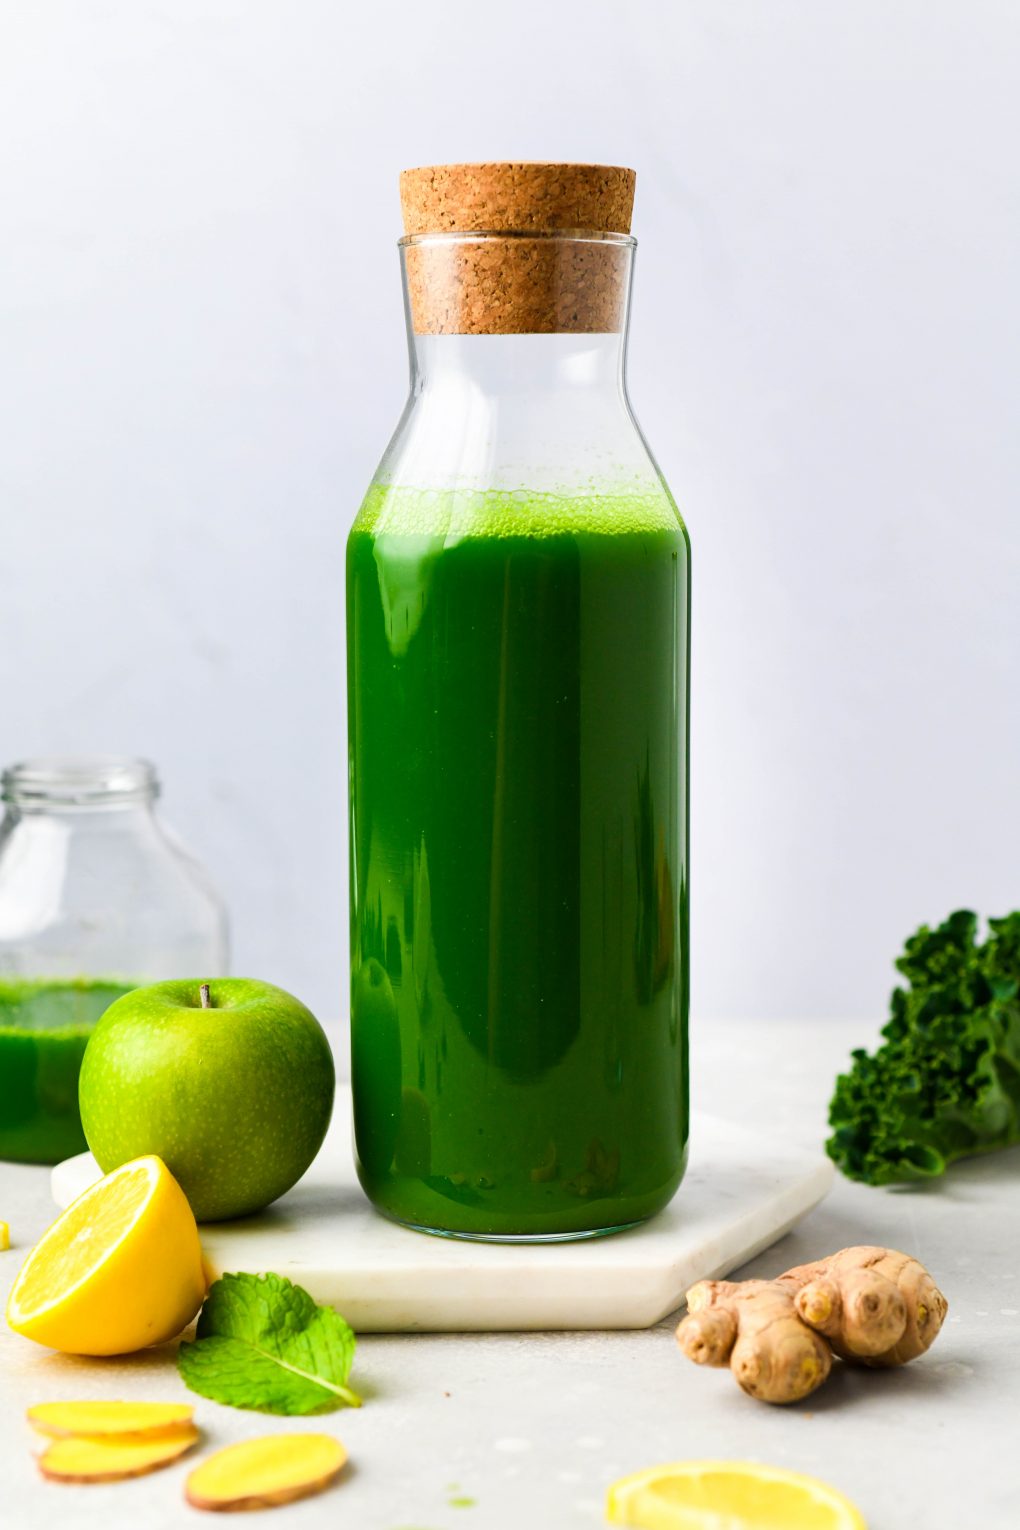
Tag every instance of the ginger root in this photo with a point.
(259, 1474)
(94, 1459)
(108, 1420)
(778, 1337)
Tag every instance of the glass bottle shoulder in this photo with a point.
(518, 436)
(454, 512)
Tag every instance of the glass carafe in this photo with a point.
(518, 638)
(96, 897)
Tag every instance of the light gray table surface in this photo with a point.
(500, 1431)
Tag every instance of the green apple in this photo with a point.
(230, 1082)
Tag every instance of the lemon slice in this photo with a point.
(728, 1495)
(120, 1269)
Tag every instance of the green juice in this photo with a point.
(45, 1025)
(517, 725)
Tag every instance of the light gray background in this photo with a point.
(202, 356)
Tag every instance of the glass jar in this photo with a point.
(96, 897)
(518, 639)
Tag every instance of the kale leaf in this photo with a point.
(946, 1082)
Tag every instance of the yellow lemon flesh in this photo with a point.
(728, 1495)
(119, 1270)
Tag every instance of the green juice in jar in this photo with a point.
(45, 1025)
(517, 724)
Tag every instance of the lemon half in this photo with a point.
(728, 1495)
(119, 1270)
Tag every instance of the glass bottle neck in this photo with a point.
(512, 313)
(516, 364)
(517, 352)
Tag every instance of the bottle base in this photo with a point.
(577, 1236)
(533, 1217)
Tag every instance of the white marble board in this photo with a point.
(740, 1194)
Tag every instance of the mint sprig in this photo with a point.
(262, 1342)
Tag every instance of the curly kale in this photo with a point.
(946, 1082)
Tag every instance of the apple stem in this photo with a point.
(204, 995)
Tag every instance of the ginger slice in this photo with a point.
(259, 1474)
(872, 1305)
(125, 1420)
(80, 1459)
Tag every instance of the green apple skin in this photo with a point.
(235, 1098)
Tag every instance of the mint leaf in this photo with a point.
(262, 1342)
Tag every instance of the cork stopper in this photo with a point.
(517, 248)
(516, 198)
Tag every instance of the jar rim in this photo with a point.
(480, 235)
(81, 780)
